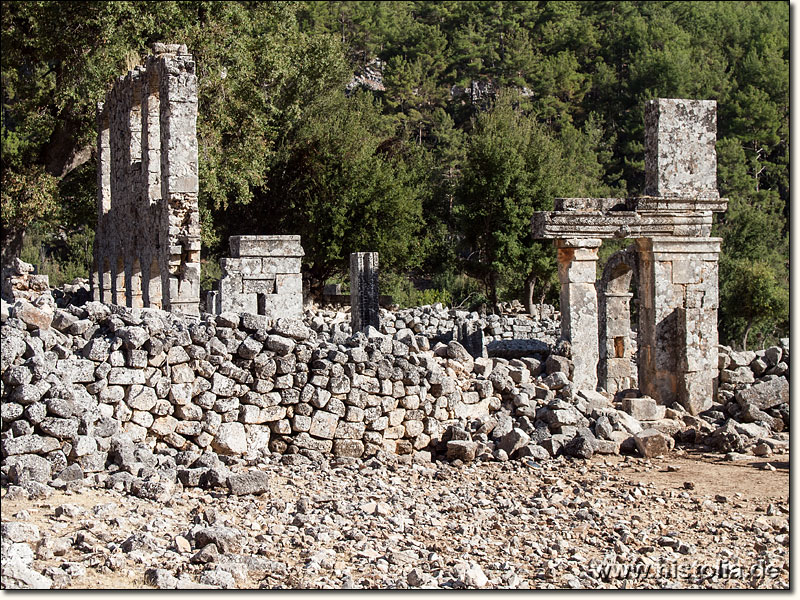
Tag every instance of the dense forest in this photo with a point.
(426, 131)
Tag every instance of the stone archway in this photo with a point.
(676, 255)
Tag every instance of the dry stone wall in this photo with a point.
(98, 391)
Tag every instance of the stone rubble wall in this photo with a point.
(87, 389)
(504, 335)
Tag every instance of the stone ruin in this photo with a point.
(674, 261)
(262, 277)
(147, 244)
(147, 248)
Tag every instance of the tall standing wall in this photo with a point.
(147, 244)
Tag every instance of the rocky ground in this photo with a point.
(681, 521)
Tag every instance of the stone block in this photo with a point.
(324, 424)
(651, 443)
(680, 152)
(644, 409)
(765, 395)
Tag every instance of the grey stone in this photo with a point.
(461, 450)
(230, 439)
(765, 394)
(252, 482)
(513, 441)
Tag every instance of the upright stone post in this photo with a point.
(679, 290)
(577, 270)
(364, 290)
(180, 185)
(470, 335)
(678, 320)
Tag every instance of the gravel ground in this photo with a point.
(683, 521)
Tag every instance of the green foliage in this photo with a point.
(753, 299)
(405, 294)
(513, 167)
(62, 255)
(210, 273)
(490, 110)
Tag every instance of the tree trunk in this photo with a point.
(493, 292)
(12, 245)
(530, 285)
(746, 333)
(545, 290)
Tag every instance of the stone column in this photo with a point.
(577, 270)
(678, 320)
(364, 290)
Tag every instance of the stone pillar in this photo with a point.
(364, 290)
(103, 198)
(470, 335)
(179, 178)
(678, 303)
(616, 345)
(577, 270)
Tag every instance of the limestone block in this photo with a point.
(266, 245)
(687, 271)
(281, 264)
(696, 391)
(680, 153)
(258, 284)
(652, 443)
(289, 283)
(323, 424)
(644, 409)
(766, 394)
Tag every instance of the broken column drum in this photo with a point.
(674, 259)
(263, 276)
(147, 243)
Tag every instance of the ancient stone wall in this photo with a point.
(85, 388)
(147, 243)
(262, 277)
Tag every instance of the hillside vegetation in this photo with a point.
(463, 118)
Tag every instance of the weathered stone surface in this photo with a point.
(644, 409)
(513, 441)
(676, 262)
(149, 116)
(463, 450)
(364, 293)
(766, 394)
(252, 482)
(651, 443)
(262, 278)
(230, 439)
(324, 424)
